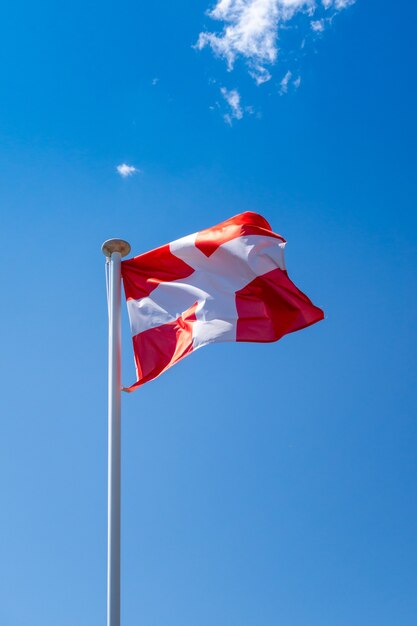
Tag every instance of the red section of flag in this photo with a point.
(143, 274)
(271, 306)
(248, 223)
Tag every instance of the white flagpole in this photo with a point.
(114, 249)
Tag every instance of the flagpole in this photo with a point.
(114, 250)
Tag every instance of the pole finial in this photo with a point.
(115, 245)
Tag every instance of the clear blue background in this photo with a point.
(262, 484)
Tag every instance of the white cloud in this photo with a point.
(251, 29)
(260, 74)
(342, 4)
(232, 98)
(288, 81)
(317, 25)
(126, 170)
(284, 82)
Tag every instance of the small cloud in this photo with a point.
(288, 81)
(154, 81)
(260, 74)
(284, 83)
(317, 26)
(343, 4)
(232, 98)
(126, 170)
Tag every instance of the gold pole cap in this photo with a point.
(115, 245)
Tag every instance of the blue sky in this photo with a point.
(262, 484)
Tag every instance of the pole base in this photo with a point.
(115, 245)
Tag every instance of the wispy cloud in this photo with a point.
(232, 98)
(287, 81)
(317, 25)
(251, 29)
(126, 170)
(284, 82)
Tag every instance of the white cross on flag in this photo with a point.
(225, 283)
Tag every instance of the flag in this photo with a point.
(225, 283)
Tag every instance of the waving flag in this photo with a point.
(225, 283)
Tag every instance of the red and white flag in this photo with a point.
(225, 283)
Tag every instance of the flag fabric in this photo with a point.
(225, 283)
